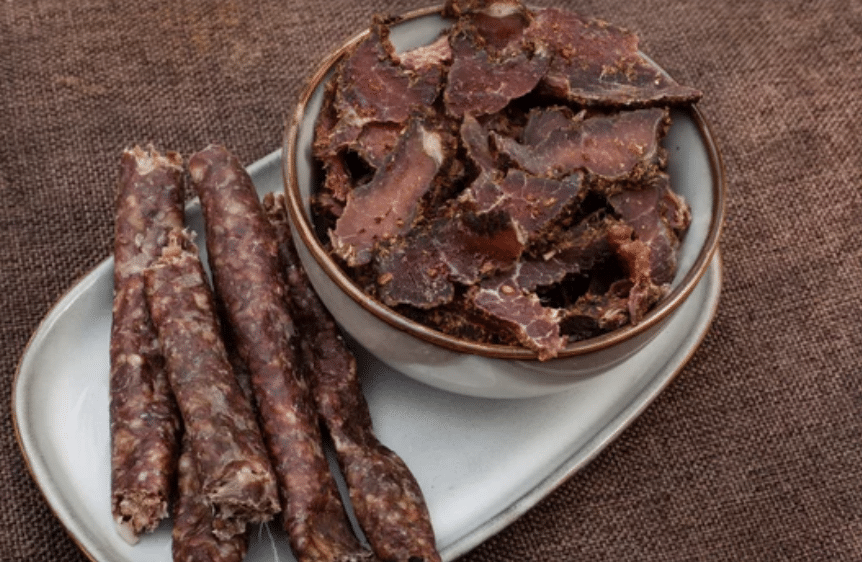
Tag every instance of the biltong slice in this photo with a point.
(594, 63)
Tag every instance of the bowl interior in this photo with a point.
(694, 165)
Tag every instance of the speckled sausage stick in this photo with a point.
(243, 256)
(386, 498)
(144, 419)
(237, 480)
(193, 538)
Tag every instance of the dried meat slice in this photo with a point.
(593, 63)
(145, 422)
(658, 216)
(377, 141)
(386, 206)
(482, 82)
(476, 143)
(192, 535)
(237, 480)
(414, 271)
(535, 326)
(534, 203)
(635, 256)
(386, 498)
(247, 272)
(427, 58)
(374, 87)
(595, 314)
(610, 148)
(421, 269)
(579, 251)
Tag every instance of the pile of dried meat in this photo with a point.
(505, 183)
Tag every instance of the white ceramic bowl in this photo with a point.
(471, 368)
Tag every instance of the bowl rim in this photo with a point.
(303, 227)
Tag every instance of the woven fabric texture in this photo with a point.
(752, 452)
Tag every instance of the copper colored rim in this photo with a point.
(302, 223)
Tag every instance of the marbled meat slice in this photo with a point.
(374, 87)
(237, 480)
(535, 326)
(499, 24)
(512, 296)
(597, 64)
(658, 217)
(386, 498)
(532, 202)
(414, 271)
(578, 251)
(608, 147)
(144, 419)
(596, 313)
(543, 121)
(476, 143)
(387, 205)
(634, 256)
(244, 258)
(483, 80)
(377, 141)
(192, 535)
(433, 56)
(422, 268)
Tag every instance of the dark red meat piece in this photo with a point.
(475, 139)
(377, 141)
(480, 82)
(414, 271)
(420, 269)
(651, 211)
(428, 58)
(634, 255)
(532, 202)
(610, 147)
(373, 87)
(597, 64)
(594, 314)
(387, 206)
(534, 325)
(578, 251)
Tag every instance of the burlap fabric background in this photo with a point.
(752, 453)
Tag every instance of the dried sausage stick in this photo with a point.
(386, 498)
(144, 420)
(237, 480)
(193, 538)
(249, 283)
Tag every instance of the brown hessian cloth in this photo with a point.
(754, 450)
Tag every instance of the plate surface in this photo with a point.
(481, 463)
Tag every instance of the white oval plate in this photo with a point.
(481, 463)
